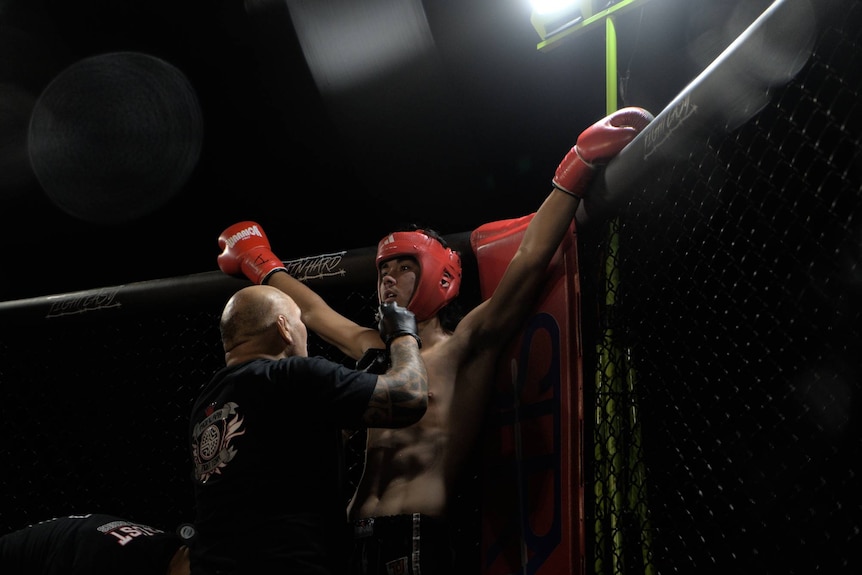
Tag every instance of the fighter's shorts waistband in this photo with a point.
(378, 526)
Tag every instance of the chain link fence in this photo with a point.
(727, 316)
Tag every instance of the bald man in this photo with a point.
(265, 436)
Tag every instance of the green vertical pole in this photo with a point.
(608, 460)
(620, 486)
(610, 65)
(637, 487)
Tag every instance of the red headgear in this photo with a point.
(439, 270)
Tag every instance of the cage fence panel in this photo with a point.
(728, 327)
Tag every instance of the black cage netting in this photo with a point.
(727, 316)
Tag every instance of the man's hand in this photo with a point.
(396, 321)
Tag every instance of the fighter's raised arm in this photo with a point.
(501, 315)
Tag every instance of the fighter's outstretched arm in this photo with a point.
(503, 313)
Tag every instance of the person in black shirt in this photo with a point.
(92, 544)
(265, 435)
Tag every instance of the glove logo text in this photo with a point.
(243, 234)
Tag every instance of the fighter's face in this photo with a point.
(398, 277)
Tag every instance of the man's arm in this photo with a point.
(502, 314)
(401, 395)
(246, 251)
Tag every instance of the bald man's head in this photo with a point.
(261, 320)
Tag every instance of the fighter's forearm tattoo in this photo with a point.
(400, 397)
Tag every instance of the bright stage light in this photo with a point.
(553, 6)
(558, 19)
(552, 16)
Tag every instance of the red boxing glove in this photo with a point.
(246, 252)
(597, 145)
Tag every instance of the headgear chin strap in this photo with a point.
(439, 270)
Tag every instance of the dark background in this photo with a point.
(467, 131)
(722, 363)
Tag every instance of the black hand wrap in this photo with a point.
(396, 321)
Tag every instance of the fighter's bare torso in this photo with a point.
(413, 469)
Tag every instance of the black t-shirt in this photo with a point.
(269, 479)
(93, 544)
